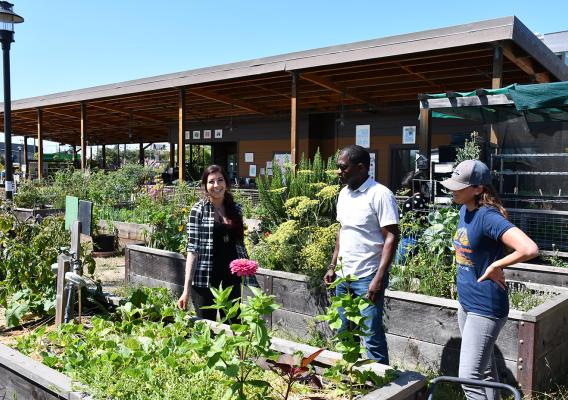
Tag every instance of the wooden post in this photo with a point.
(141, 154)
(63, 266)
(181, 135)
(27, 173)
(117, 156)
(103, 156)
(74, 156)
(527, 343)
(294, 120)
(39, 144)
(83, 136)
(496, 83)
(425, 138)
(172, 155)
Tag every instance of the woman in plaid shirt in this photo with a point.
(216, 237)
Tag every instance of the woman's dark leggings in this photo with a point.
(201, 297)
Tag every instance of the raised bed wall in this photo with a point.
(422, 331)
(23, 214)
(24, 378)
(536, 273)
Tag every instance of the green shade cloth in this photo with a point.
(536, 103)
(543, 95)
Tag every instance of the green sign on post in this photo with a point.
(71, 211)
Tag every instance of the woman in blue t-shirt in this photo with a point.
(483, 233)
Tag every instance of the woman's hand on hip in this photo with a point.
(496, 274)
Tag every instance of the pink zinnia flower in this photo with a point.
(243, 267)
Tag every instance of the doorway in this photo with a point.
(204, 154)
(402, 161)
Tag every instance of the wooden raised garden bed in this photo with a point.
(422, 331)
(24, 378)
(23, 214)
(543, 274)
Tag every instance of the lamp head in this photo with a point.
(8, 17)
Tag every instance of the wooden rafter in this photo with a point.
(325, 83)
(421, 76)
(227, 100)
(133, 113)
(525, 63)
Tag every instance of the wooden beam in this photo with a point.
(525, 63)
(421, 77)
(83, 135)
(325, 83)
(26, 156)
(226, 100)
(496, 83)
(132, 113)
(181, 134)
(294, 108)
(40, 144)
(425, 138)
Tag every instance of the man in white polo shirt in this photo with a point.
(366, 242)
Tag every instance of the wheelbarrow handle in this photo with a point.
(472, 382)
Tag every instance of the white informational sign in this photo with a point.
(207, 134)
(252, 170)
(249, 157)
(373, 165)
(218, 133)
(269, 171)
(408, 134)
(269, 164)
(9, 185)
(282, 158)
(196, 135)
(363, 135)
(261, 171)
(187, 135)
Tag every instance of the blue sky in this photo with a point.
(73, 44)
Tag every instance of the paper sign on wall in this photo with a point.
(408, 134)
(207, 134)
(218, 133)
(196, 135)
(363, 135)
(249, 157)
(187, 135)
(252, 170)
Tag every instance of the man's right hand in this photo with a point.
(329, 276)
(182, 302)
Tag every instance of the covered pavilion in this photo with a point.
(294, 102)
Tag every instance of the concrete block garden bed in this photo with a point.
(422, 331)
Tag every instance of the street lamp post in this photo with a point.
(7, 20)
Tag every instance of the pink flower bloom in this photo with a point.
(243, 267)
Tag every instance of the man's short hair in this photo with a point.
(357, 154)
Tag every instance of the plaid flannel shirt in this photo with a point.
(200, 242)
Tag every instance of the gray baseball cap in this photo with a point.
(468, 173)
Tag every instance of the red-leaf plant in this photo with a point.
(291, 371)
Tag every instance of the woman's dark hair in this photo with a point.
(232, 212)
(489, 197)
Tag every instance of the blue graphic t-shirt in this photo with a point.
(477, 244)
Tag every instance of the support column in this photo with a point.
(172, 155)
(27, 173)
(181, 134)
(74, 156)
(40, 144)
(117, 156)
(103, 156)
(83, 136)
(141, 154)
(294, 107)
(496, 83)
(425, 140)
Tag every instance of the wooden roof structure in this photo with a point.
(368, 74)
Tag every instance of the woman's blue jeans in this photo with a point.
(376, 341)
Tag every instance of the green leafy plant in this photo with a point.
(234, 352)
(347, 341)
(470, 150)
(555, 260)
